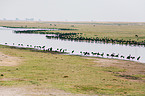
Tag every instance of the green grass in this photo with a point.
(70, 73)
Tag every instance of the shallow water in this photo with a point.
(8, 36)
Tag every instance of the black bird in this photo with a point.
(60, 50)
(98, 53)
(93, 53)
(107, 55)
(128, 57)
(86, 53)
(72, 51)
(112, 55)
(102, 54)
(43, 47)
(138, 58)
(116, 55)
(122, 56)
(132, 58)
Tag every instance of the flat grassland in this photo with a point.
(41, 72)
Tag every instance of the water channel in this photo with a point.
(8, 36)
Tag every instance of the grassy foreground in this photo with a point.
(70, 73)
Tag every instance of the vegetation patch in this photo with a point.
(114, 69)
(87, 88)
(130, 77)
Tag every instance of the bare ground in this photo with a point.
(6, 60)
(30, 91)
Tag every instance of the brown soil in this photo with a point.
(6, 60)
(31, 91)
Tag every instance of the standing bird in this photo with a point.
(112, 55)
(60, 50)
(132, 58)
(128, 57)
(138, 58)
(93, 53)
(50, 48)
(107, 55)
(72, 51)
(116, 55)
(43, 47)
(122, 56)
(102, 54)
(98, 53)
(84, 53)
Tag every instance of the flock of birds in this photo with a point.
(109, 55)
(113, 55)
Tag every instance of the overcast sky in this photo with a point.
(74, 10)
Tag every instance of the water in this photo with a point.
(8, 36)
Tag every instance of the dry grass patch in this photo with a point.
(6, 60)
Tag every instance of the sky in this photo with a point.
(74, 10)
